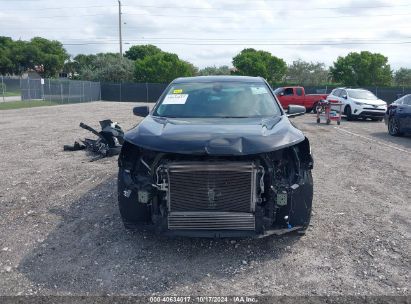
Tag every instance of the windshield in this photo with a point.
(218, 99)
(361, 94)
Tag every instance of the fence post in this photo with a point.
(2, 87)
(49, 91)
(69, 95)
(120, 91)
(28, 86)
(61, 92)
(82, 92)
(146, 92)
(42, 88)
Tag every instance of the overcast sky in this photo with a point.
(211, 32)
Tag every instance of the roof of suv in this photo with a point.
(219, 78)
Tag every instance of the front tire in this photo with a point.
(348, 113)
(394, 126)
(132, 212)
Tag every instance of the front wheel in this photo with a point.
(348, 113)
(394, 126)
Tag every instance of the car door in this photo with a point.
(298, 97)
(287, 97)
(343, 97)
(334, 97)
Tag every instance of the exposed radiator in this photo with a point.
(211, 186)
(211, 221)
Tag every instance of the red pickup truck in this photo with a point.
(297, 96)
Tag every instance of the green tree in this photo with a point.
(402, 77)
(307, 73)
(51, 55)
(6, 64)
(140, 51)
(107, 67)
(259, 63)
(42, 55)
(213, 70)
(362, 69)
(162, 67)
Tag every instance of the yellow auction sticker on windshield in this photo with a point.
(178, 91)
(175, 99)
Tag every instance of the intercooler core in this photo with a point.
(211, 195)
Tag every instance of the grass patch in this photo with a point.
(10, 105)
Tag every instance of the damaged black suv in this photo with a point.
(216, 157)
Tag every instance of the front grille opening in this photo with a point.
(211, 187)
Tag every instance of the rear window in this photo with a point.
(407, 100)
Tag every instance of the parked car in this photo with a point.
(359, 103)
(297, 96)
(398, 116)
(216, 157)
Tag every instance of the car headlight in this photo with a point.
(359, 103)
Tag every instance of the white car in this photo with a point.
(359, 103)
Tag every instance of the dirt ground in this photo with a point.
(61, 233)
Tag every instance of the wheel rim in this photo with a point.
(393, 126)
(348, 111)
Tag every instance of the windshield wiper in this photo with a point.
(234, 117)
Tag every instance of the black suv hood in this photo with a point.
(214, 136)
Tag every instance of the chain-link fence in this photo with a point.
(70, 91)
(150, 92)
(53, 90)
(134, 92)
(9, 88)
(59, 90)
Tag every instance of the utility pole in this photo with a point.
(119, 28)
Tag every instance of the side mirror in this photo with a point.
(281, 94)
(344, 96)
(141, 111)
(295, 110)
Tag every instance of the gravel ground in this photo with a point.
(61, 234)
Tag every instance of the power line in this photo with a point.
(265, 9)
(259, 44)
(58, 8)
(185, 39)
(262, 29)
(231, 17)
(69, 16)
(210, 8)
(219, 17)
